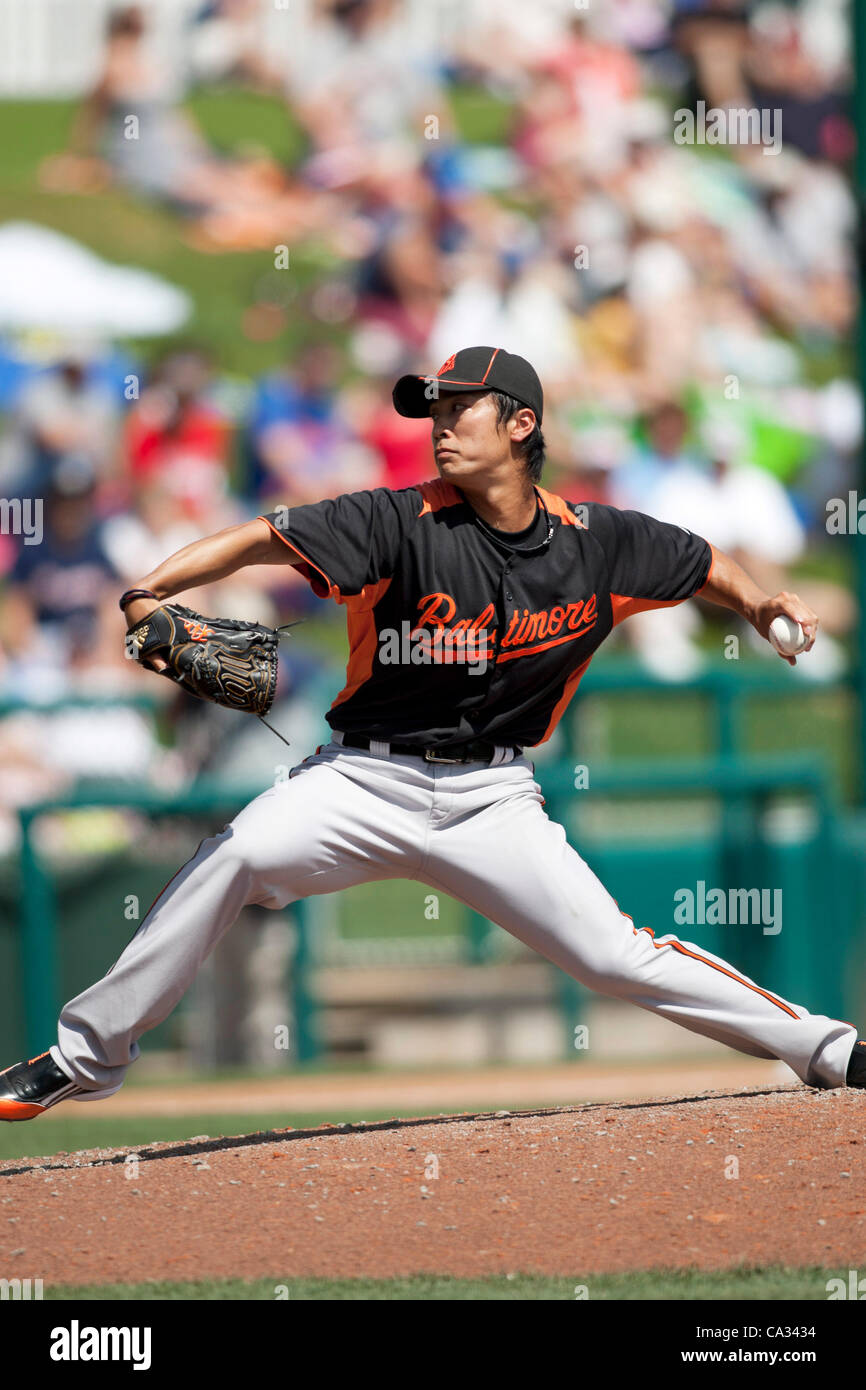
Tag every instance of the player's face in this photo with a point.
(468, 439)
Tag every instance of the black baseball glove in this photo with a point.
(226, 660)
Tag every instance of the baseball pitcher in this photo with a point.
(475, 603)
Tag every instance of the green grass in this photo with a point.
(396, 909)
(221, 286)
(481, 117)
(236, 121)
(770, 1284)
(130, 230)
(41, 1139)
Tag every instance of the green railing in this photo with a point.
(57, 704)
(728, 689)
(38, 911)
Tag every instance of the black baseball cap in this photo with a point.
(471, 369)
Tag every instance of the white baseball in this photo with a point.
(787, 636)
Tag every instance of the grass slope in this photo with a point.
(772, 1284)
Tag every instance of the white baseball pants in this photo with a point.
(478, 833)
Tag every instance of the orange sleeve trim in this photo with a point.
(368, 597)
(333, 589)
(623, 606)
(437, 494)
(557, 506)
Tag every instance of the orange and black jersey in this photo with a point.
(457, 631)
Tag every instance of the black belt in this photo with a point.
(480, 750)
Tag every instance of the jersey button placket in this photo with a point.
(506, 596)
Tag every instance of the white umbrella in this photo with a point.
(48, 281)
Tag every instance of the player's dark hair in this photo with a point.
(534, 446)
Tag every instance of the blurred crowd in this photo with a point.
(688, 306)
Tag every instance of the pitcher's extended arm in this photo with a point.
(731, 587)
(203, 562)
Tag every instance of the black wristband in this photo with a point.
(134, 593)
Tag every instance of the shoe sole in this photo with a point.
(20, 1110)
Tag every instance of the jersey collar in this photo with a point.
(499, 539)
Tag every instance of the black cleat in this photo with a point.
(30, 1088)
(856, 1075)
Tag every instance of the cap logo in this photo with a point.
(447, 366)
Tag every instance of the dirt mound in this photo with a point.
(762, 1176)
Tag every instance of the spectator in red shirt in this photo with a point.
(177, 437)
(402, 445)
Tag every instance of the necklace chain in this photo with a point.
(530, 549)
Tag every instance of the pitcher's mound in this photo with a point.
(756, 1177)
